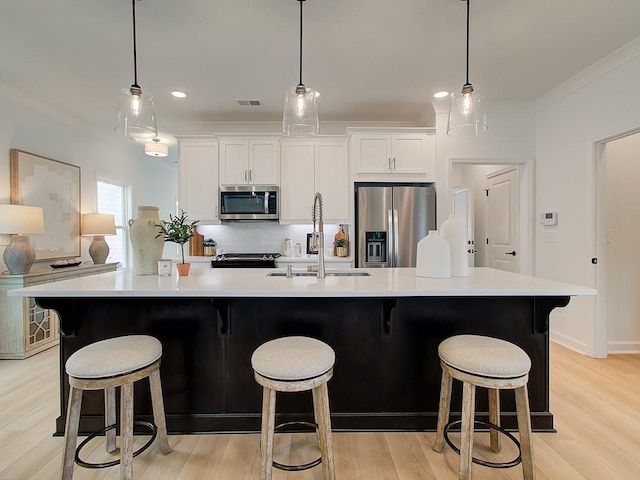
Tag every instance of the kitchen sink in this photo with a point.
(280, 273)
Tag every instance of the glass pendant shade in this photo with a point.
(466, 114)
(300, 115)
(300, 112)
(136, 115)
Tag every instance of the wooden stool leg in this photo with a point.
(323, 419)
(126, 431)
(524, 428)
(443, 410)
(158, 411)
(110, 418)
(494, 417)
(71, 432)
(266, 436)
(466, 431)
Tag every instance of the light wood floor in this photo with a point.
(596, 404)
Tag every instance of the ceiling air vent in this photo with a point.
(248, 103)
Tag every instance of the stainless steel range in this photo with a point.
(245, 260)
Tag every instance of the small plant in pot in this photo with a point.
(209, 245)
(342, 247)
(178, 230)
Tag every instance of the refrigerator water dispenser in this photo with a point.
(376, 247)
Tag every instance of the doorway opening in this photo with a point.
(617, 228)
(471, 180)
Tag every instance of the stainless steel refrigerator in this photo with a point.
(390, 220)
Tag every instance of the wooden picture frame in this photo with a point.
(54, 186)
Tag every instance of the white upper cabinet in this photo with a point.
(410, 154)
(308, 167)
(249, 161)
(198, 178)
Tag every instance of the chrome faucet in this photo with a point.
(317, 215)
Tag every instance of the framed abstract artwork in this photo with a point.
(54, 186)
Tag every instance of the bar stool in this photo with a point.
(295, 364)
(105, 365)
(495, 364)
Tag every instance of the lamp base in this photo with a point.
(99, 250)
(19, 255)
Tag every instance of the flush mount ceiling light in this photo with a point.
(300, 112)
(136, 116)
(442, 94)
(179, 94)
(156, 149)
(466, 113)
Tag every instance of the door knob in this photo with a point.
(511, 253)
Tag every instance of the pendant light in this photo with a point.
(300, 111)
(156, 149)
(466, 113)
(136, 116)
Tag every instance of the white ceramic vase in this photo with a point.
(454, 231)
(147, 249)
(433, 257)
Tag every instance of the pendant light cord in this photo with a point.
(468, 2)
(301, 41)
(135, 56)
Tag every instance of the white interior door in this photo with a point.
(463, 209)
(503, 229)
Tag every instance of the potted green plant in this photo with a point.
(178, 230)
(209, 245)
(342, 247)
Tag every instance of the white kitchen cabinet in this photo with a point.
(198, 178)
(246, 161)
(409, 155)
(308, 167)
(26, 327)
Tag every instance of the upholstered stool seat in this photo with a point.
(105, 365)
(494, 364)
(295, 364)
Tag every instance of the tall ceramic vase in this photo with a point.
(147, 249)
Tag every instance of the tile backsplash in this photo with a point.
(261, 236)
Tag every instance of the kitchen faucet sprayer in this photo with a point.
(317, 216)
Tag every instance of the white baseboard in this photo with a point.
(623, 347)
(569, 342)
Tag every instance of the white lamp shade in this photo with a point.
(136, 115)
(98, 224)
(21, 220)
(156, 149)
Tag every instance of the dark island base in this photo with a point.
(386, 376)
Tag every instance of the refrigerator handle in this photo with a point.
(391, 241)
(396, 261)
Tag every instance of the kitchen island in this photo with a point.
(385, 329)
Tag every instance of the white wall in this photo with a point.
(31, 127)
(598, 104)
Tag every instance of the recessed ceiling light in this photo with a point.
(178, 94)
(441, 94)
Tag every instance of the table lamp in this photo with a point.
(20, 221)
(98, 225)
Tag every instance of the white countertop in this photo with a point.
(313, 259)
(254, 282)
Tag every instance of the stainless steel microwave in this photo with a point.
(249, 202)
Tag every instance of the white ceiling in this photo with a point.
(371, 60)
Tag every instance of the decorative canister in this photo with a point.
(454, 231)
(147, 249)
(433, 256)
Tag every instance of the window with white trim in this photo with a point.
(113, 199)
